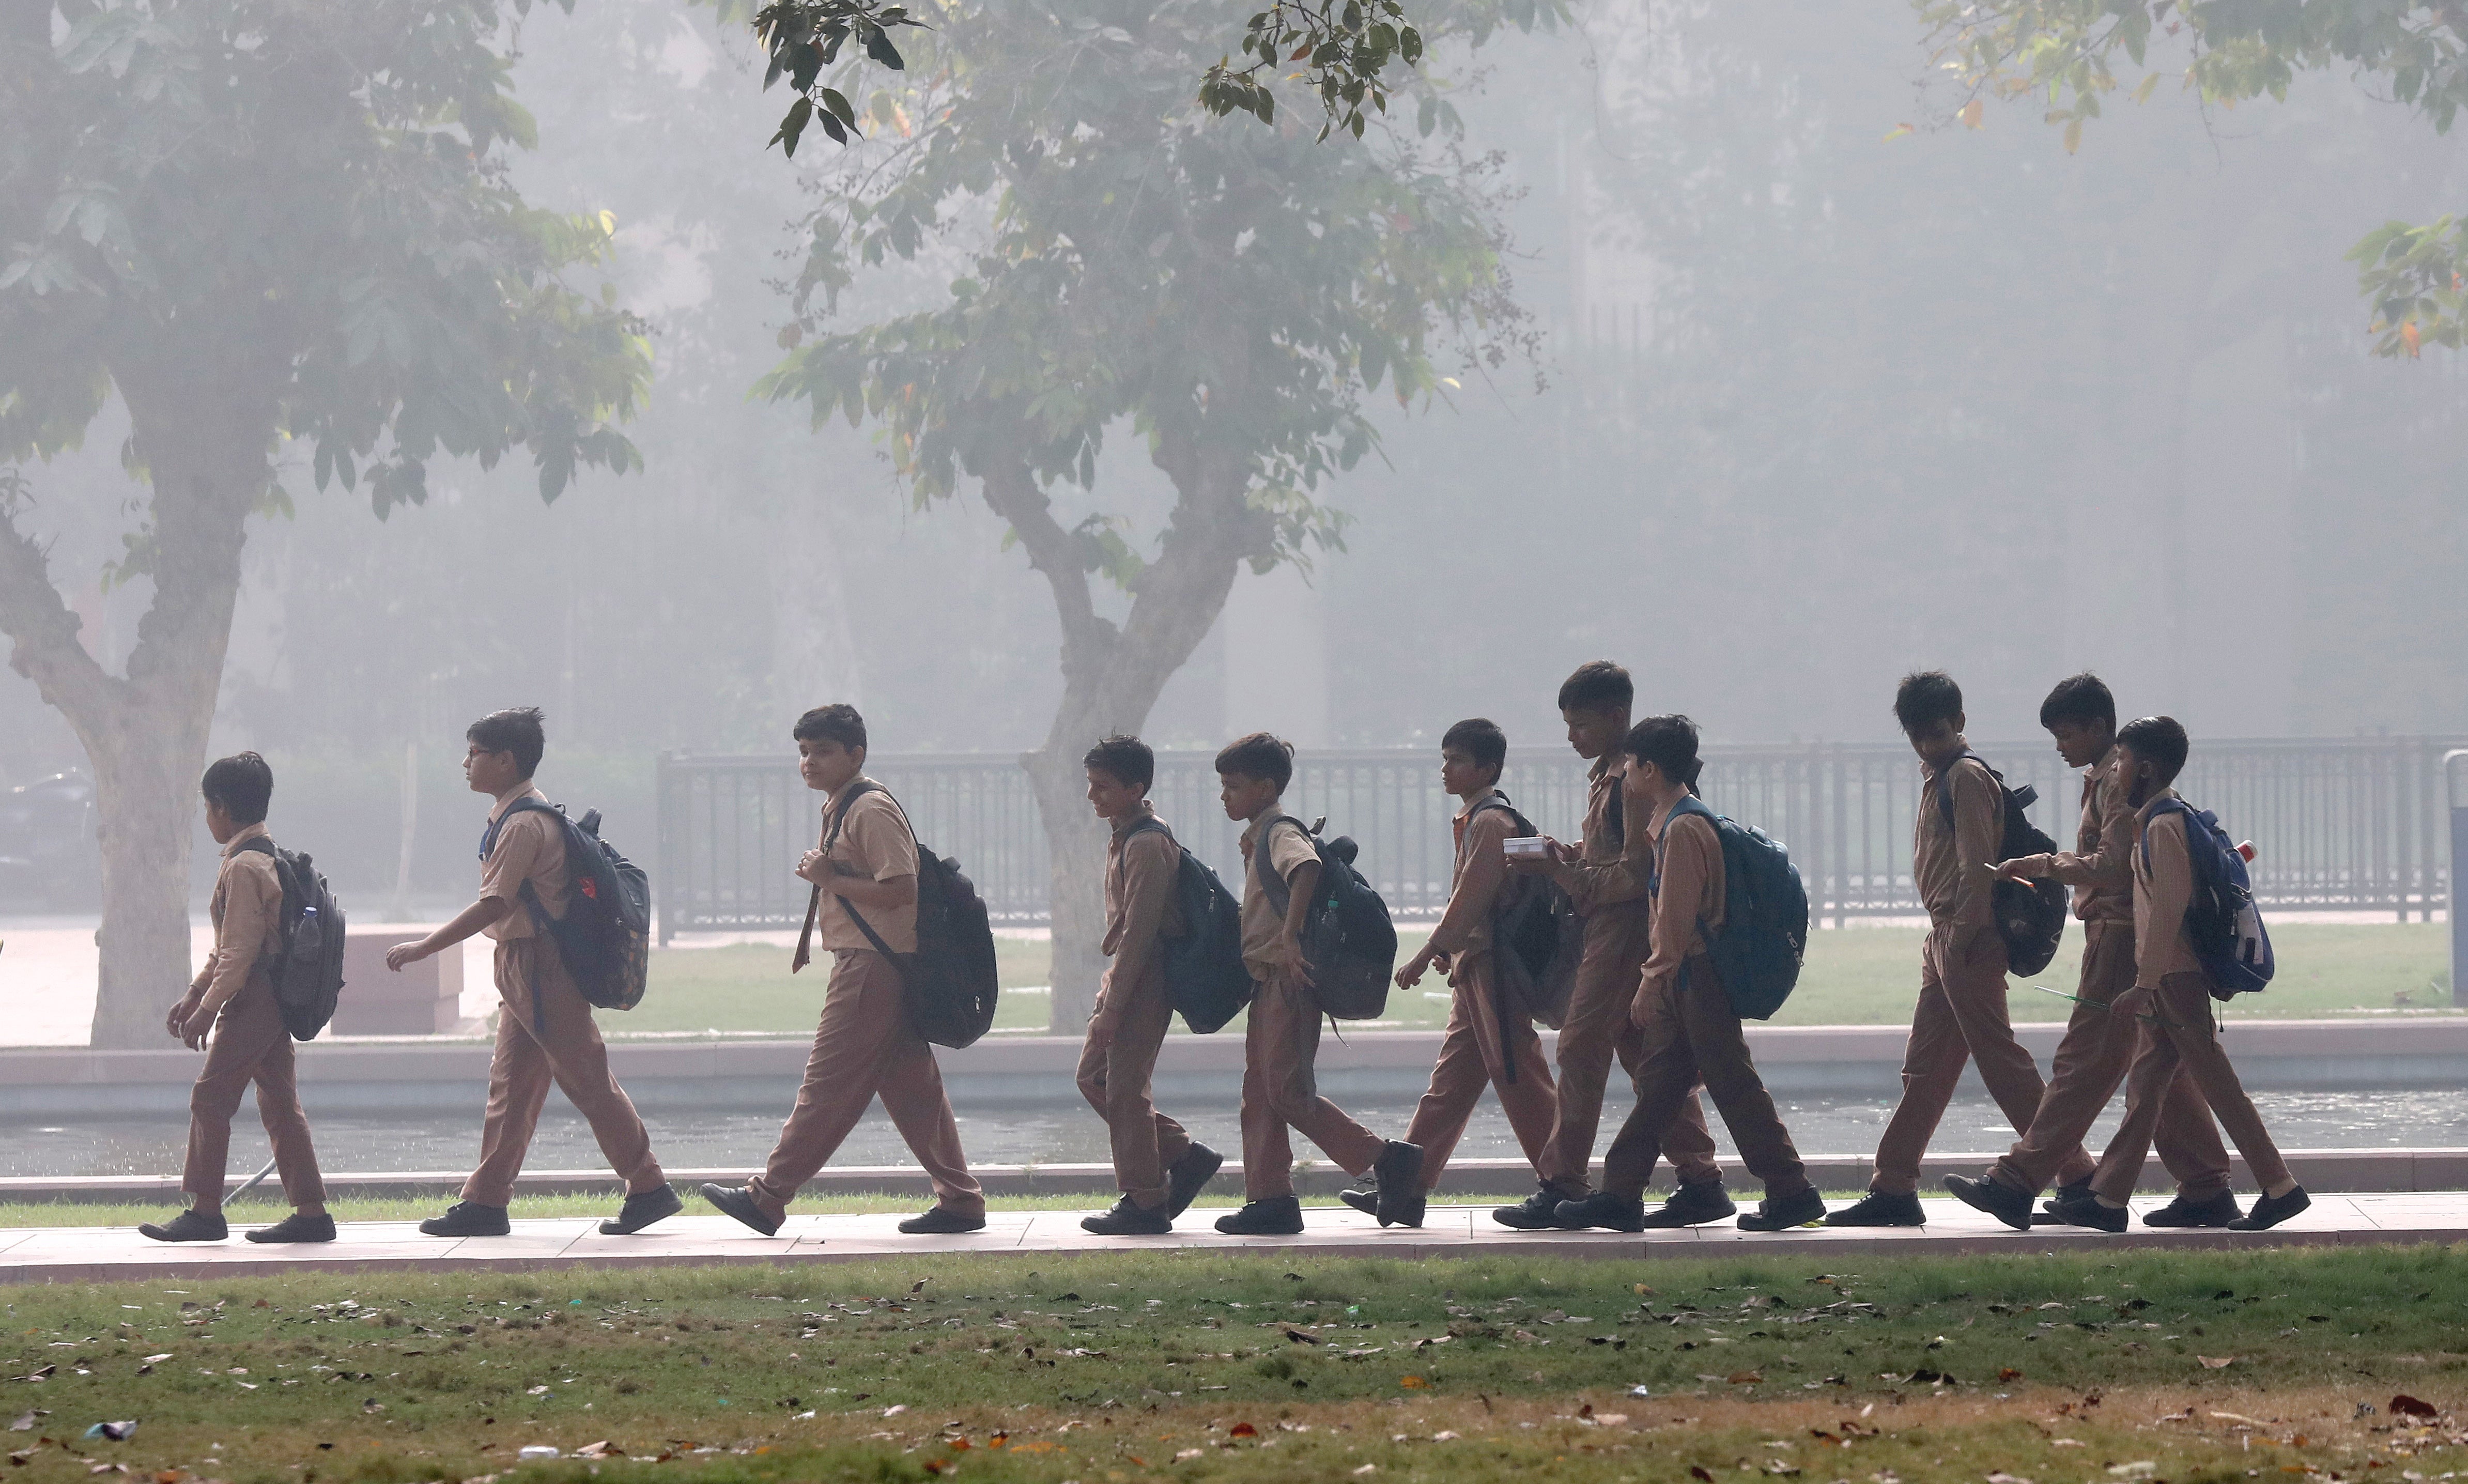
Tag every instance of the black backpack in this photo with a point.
(2030, 915)
(951, 982)
(1348, 940)
(604, 938)
(1537, 937)
(1205, 978)
(307, 961)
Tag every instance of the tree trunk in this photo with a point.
(145, 733)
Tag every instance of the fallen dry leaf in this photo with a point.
(2216, 1362)
(1744, 1378)
(2406, 1405)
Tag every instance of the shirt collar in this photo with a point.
(526, 789)
(1476, 803)
(1146, 812)
(2152, 803)
(247, 833)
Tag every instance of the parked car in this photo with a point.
(48, 851)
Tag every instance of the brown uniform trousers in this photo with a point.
(1597, 1029)
(545, 1034)
(1281, 1090)
(2090, 1063)
(250, 1045)
(1472, 1055)
(1961, 1017)
(1116, 1066)
(1692, 1037)
(865, 1049)
(2187, 1038)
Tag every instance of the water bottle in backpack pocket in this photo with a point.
(1348, 940)
(2222, 919)
(307, 961)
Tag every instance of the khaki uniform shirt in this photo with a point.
(1140, 871)
(530, 847)
(874, 842)
(1263, 924)
(1949, 867)
(1474, 890)
(2162, 890)
(248, 923)
(2099, 868)
(1689, 891)
(1611, 870)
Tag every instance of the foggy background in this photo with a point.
(1821, 406)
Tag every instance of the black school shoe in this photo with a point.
(1880, 1208)
(1362, 1194)
(1692, 1205)
(738, 1201)
(296, 1227)
(469, 1219)
(1399, 1170)
(1783, 1213)
(1601, 1208)
(188, 1227)
(641, 1210)
(1186, 1177)
(1128, 1219)
(1534, 1213)
(1277, 1215)
(2221, 1210)
(2269, 1211)
(1998, 1200)
(2047, 1215)
(943, 1221)
(2087, 1211)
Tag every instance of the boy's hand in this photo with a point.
(1288, 959)
(1640, 1009)
(815, 866)
(177, 1021)
(402, 953)
(188, 1024)
(2022, 868)
(1554, 855)
(1411, 973)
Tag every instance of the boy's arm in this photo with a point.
(2172, 891)
(481, 914)
(2111, 865)
(1151, 862)
(1978, 828)
(1302, 886)
(1477, 888)
(1592, 884)
(874, 862)
(520, 844)
(1685, 865)
(252, 903)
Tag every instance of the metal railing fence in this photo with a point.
(2345, 823)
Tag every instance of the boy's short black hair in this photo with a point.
(243, 784)
(1926, 698)
(517, 730)
(1669, 743)
(1259, 755)
(1480, 738)
(837, 723)
(2158, 740)
(1597, 685)
(2079, 698)
(1128, 759)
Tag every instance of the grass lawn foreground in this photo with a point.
(2345, 1365)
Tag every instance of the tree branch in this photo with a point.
(45, 630)
(1010, 492)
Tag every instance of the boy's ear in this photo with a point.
(1961, 722)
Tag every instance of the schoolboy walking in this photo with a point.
(2172, 1001)
(861, 910)
(2099, 1041)
(546, 1032)
(1961, 1016)
(1606, 880)
(1487, 1043)
(1281, 1041)
(232, 1000)
(1157, 1166)
(1691, 1033)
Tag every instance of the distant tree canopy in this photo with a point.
(1233, 294)
(2071, 53)
(260, 223)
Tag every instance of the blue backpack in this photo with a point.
(1205, 980)
(2221, 917)
(1348, 940)
(1765, 916)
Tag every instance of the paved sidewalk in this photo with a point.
(92, 1254)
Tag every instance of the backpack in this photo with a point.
(604, 938)
(1537, 937)
(2221, 917)
(307, 962)
(1205, 978)
(1348, 940)
(2030, 915)
(1758, 954)
(949, 983)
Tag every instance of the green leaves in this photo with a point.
(1347, 48)
(2413, 277)
(805, 37)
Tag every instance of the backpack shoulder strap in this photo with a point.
(521, 806)
(1279, 893)
(848, 801)
(261, 846)
(2160, 806)
(1945, 780)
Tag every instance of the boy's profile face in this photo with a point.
(219, 823)
(1461, 775)
(490, 772)
(827, 765)
(1638, 780)
(1591, 732)
(2082, 743)
(1939, 742)
(2131, 774)
(1112, 798)
(1245, 797)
